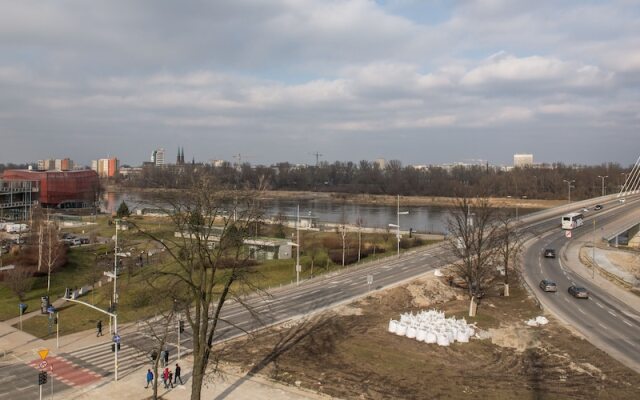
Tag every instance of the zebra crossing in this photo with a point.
(135, 351)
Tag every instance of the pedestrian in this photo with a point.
(171, 379)
(166, 357)
(165, 377)
(149, 378)
(99, 328)
(177, 375)
(162, 357)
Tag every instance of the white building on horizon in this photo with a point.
(523, 160)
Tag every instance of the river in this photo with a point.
(424, 219)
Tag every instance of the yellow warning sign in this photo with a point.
(43, 353)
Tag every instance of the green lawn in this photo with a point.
(135, 301)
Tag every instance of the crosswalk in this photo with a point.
(135, 352)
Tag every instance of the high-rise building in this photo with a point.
(65, 164)
(522, 160)
(157, 157)
(106, 167)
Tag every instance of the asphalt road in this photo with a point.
(607, 322)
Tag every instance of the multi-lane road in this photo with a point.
(609, 318)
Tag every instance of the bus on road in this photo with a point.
(572, 220)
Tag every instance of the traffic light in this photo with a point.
(42, 377)
(181, 326)
(113, 347)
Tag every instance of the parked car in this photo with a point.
(548, 286)
(584, 210)
(549, 253)
(622, 200)
(598, 207)
(578, 292)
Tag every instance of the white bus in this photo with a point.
(572, 220)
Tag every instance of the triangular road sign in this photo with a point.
(43, 353)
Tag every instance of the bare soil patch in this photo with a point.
(348, 353)
(626, 260)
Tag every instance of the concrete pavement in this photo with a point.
(19, 365)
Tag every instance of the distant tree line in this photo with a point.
(4, 167)
(546, 182)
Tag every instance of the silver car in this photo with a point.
(548, 286)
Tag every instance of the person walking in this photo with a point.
(177, 375)
(162, 357)
(149, 378)
(166, 357)
(165, 377)
(170, 380)
(99, 328)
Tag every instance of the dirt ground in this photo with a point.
(627, 260)
(348, 353)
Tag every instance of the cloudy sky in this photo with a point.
(422, 81)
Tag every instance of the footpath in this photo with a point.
(17, 347)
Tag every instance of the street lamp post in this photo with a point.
(603, 178)
(569, 187)
(298, 267)
(397, 224)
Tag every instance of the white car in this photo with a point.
(622, 200)
(584, 210)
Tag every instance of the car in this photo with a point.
(578, 292)
(549, 253)
(598, 207)
(584, 210)
(622, 200)
(548, 286)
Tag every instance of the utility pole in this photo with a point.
(593, 252)
(569, 187)
(298, 267)
(318, 155)
(397, 225)
(603, 178)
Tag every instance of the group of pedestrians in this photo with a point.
(169, 378)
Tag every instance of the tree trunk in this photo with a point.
(473, 306)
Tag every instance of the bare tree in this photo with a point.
(472, 240)
(210, 262)
(509, 245)
(53, 249)
(19, 281)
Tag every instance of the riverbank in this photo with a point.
(372, 199)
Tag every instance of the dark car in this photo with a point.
(598, 207)
(578, 292)
(549, 253)
(548, 286)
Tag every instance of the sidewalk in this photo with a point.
(17, 346)
(232, 385)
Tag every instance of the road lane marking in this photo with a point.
(612, 313)
(602, 326)
(599, 305)
(580, 309)
(627, 322)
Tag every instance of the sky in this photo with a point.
(420, 81)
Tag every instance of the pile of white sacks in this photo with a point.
(432, 327)
(538, 321)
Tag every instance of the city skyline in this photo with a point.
(421, 82)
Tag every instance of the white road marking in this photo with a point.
(602, 325)
(612, 313)
(599, 305)
(580, 309)
(627, 322)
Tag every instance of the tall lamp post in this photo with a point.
(603, 178)
(397, 224)
(569, 186)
